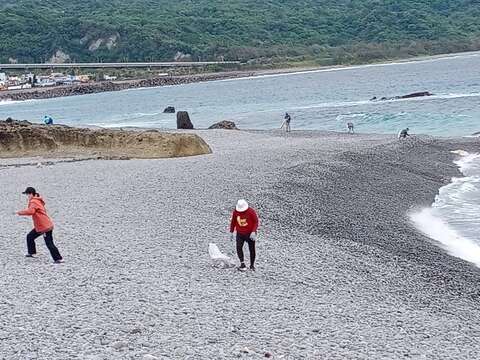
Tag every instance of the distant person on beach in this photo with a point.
(42, 225)
(350, 127)
(404, 133)
(47, 120)
(286, 123)
(245, 223)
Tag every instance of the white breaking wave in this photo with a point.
(432, 226)
(456, 204)
(383, 102)
(350, 116)
(13, 102)
(127, 124)
(8, 102)
(355, 67)
(466, 161)
(333, 104)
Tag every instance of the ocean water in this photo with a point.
(454, 218)
(326, 100)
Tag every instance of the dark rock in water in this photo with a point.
(183, 120)
(169, 110)
(417, 94)
(229, 125)
(9, 120)
(476, 134)
(408, 96)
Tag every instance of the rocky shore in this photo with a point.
(21, 139)
(341, 272)
(96, 87)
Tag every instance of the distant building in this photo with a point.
(83, 78)
(3, 81)
(31, 78)
(109, 78)
(45, 81)
(13, 81)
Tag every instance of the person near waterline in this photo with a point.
(350, 127)
(47, 120)
(404, 133)
(286, 123)
(42, 225)
(245, 223)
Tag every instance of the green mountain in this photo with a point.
(325, 31)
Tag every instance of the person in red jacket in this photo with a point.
(245, 223)
(42, 225)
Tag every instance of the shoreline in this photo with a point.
(110, 86)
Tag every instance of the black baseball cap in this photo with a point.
(29, 190)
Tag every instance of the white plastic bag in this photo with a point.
(218, 258)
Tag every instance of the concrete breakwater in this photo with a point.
(96, 87)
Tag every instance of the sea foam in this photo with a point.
(453, 220)
(434, 227)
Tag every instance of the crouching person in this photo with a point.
(42, 224)
(245, 223)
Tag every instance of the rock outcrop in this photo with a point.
(183, 120)
(18, 139)
(169, 110)
(59, 57)
(228, 125)
(408, 96)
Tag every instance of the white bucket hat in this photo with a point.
(242, 205)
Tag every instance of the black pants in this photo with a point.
(241, 239)
(32, 235)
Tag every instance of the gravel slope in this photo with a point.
(340, 274)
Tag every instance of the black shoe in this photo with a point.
(30, 256)
(242, 267)
(61, 261)
(252, 267)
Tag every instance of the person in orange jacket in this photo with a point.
(42, 225)
(245, 223)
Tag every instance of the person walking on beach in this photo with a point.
(286, 123)
(350, 127)
(245, 223)
(403, 134)
(42, 225)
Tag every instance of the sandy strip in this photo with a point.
(340, 274)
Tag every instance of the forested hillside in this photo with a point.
(326, 31)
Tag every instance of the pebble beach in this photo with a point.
(341, 271)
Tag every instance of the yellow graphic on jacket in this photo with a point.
(242, 222)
